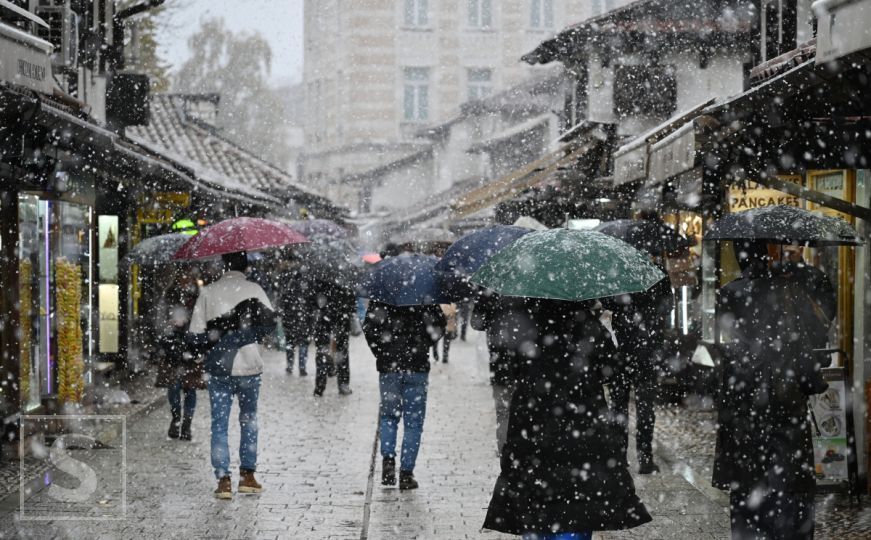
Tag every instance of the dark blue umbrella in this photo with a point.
(469, 253)
(405, 280)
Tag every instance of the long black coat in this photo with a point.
(563, 467)
(401, 337)
(640, 321)
(298, 308)
(769, 370)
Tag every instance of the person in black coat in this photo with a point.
(563, 468)
(400, 338)
(508, 326)
(335, 306)
(640, 321)
(770, 325)
(297, 317)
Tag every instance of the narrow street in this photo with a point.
(315, 461)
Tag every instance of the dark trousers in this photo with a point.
(646, 393)
(322, 358)
(761, 515)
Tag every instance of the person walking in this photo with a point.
(508, 326)
(400, 338)
(770, 324)
(297, 318)
(234, 366)
(640, 320)
(177, 370)
(335, 307)
(563, 470)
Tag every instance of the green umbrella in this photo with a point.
(573, 265)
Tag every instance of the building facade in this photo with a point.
(378, 71)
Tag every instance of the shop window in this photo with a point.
(645, 90)
(541, 14)
(416, 13)
(480, 13)
(55, 313)
(415, 104)
(107, 294)
(480, 82)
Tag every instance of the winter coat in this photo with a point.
(770, 325)
(508, 326)
(563, 468)
(401, 337)
(177, 358)
(220, 298)
(246, 325)
(640, 321)
(298, 308)
(334, 307)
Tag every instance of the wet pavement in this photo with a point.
(320, 470)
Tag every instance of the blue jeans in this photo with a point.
(222, 388)
(173, 394)
(402, 395)
(558, 536)
(303, 354)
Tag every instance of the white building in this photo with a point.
(378, 71)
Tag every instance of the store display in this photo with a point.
(25, 314)
(70, 363)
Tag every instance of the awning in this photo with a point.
(631, 159)
(519, 131)
(515, 182)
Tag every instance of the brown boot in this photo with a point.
(225, 488)
(247, 482)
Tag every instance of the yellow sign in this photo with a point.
(757, 196)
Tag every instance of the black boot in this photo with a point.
(646, 465)
(320, 385)
(174, 425)
(185, 434)
(388, 471)
(406, 480)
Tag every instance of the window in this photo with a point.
(541, 15)
(480, 83)
(416, 13)
(600, 7)
(480, 13)
(415, 104)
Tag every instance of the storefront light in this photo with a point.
(47, 258)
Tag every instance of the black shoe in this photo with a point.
(318, 392)
(647, 466)
(303, 372)
(174, 427)
(388, 471)
(345, 390)
(185, 434)
(289, 369)
(406, 480)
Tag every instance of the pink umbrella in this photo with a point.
(238, 234)
(371, 258)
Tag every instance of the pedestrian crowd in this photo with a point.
(562, 365)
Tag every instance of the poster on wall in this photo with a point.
(830, 431)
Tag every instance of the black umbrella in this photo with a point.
(780, 224)
(655, 237)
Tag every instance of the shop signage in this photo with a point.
(630, 163)
(674, 154)
(25, 59)
(173, 198)
(830, 429)
(842, 28)
(757, 196)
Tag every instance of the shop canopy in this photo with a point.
(803, 115)
(532, 174)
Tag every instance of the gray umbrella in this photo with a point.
(157, 249)
(780, 224)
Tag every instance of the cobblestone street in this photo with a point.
(315, 462)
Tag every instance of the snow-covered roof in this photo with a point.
(217, 159)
